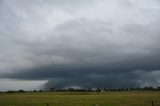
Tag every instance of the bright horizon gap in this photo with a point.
(14, 84)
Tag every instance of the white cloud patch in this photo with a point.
(148, 78)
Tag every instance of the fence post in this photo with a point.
(47, 104)
(152, 103)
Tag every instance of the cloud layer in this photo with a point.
(99, 43)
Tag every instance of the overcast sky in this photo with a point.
(79, 43)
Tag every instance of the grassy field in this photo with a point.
(129, 98)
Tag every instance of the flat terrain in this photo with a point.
(130, 98)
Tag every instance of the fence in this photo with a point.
(81, 104)
(155, 103)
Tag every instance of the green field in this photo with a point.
(129, 98)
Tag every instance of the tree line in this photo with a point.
(106, 89)
(90, 89)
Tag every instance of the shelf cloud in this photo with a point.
(83, 43)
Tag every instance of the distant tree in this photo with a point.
(40, 90)
(98, 90)
(21, 91)
(119, 89)
(131, 88)
(158, 88)
(11, 91)
(89, 90)
(138, 89)
(148, 88)
(105, 89)
(52, 89)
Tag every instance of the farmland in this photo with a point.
(123, 98)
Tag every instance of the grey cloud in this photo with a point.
(146, 78)
(98, 44)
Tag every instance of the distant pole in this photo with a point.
(152, 103)
(47, 104)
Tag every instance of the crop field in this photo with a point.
(130, 98)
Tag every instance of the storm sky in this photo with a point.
(79, 43)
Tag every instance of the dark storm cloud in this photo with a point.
(81, 43)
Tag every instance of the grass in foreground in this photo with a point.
(130, 98)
